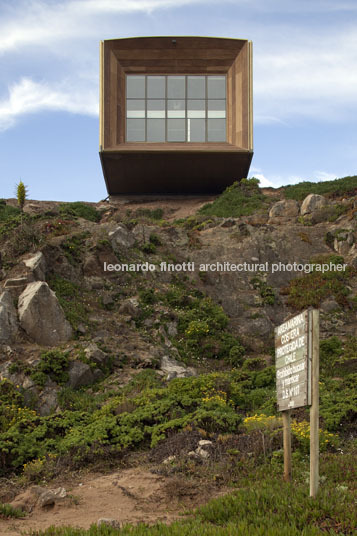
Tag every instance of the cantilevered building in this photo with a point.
(175, 114)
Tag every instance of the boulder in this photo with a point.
(41, 315)
(51, 496)
(8, 318)
(109, 522)
(16, 285)
(174, 369)
(37, 265)
(37, 495)
(95, 354)
(312, 203)
(80, 374)
(130, 307)
(343, 242)
(142, 233)
(121, 237)
(284, 210)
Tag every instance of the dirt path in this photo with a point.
(129, 496)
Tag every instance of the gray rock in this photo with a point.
(312, 203)
(329, 306)
(343, 242)
(174, 369)
(48, 400)
(284, 210)
(109, 522)
(142, 233)
(51, 496)
(95, 354)
(204, 454)
(121, 237)
(37, 265)
(8, 318)
(171, 329)
(41, 316)
(130, 307)
(80, 374)
(205, 443)
(16, 285)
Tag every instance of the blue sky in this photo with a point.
(305, 85)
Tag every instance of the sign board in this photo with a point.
(293, 362)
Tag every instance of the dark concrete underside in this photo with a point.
(172, 172)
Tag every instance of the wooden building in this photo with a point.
(175, 114)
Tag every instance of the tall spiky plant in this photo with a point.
(21, 195)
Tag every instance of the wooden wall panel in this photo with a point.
(189, 55)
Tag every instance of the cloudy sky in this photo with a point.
(305, 84)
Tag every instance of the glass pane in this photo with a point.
(196, 87)
(156, 130)
(216, 130)
(216, 87)
(176, 87)
(135, 130)
(217, 108)
(176, 130)
(196, 130)
(176, 108)
(135, 108)
(196, 108)
(135, 87)
(156, 87)
(156, 108)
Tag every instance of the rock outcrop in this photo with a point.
(283, 211)
(312, 203)
(8, 318)
(121, 237)
(41, 315)
(37, 265)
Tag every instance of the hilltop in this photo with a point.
(142, 392)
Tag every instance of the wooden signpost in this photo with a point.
(297, 382)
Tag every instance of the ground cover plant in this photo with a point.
(313, 288)
(240, 199)
(335, 188)
(263, 505)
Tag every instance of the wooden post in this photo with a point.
(287, 445)
(314, 411)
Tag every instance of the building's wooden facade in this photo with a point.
(174, 167)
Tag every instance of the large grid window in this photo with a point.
(175, 108)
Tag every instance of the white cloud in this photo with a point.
(324, 176)
(263, 181)
(28, 96)
(300, 71)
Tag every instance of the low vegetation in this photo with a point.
(336, 188)
(241, 199)
(78, 209)
(313, 288)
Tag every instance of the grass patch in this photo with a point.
(313, 288)
(240, 199)
(78, 209)
(7, 511)
(69, 296)
(335, 188)
(7, 211)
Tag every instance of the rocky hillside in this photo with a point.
(135, 328)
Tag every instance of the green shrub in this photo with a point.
(240, 199)
(313, 288)
(53, 364)
(79, 210)
(337, 187)
(7, 511)
(70, 298)
(7, 212)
